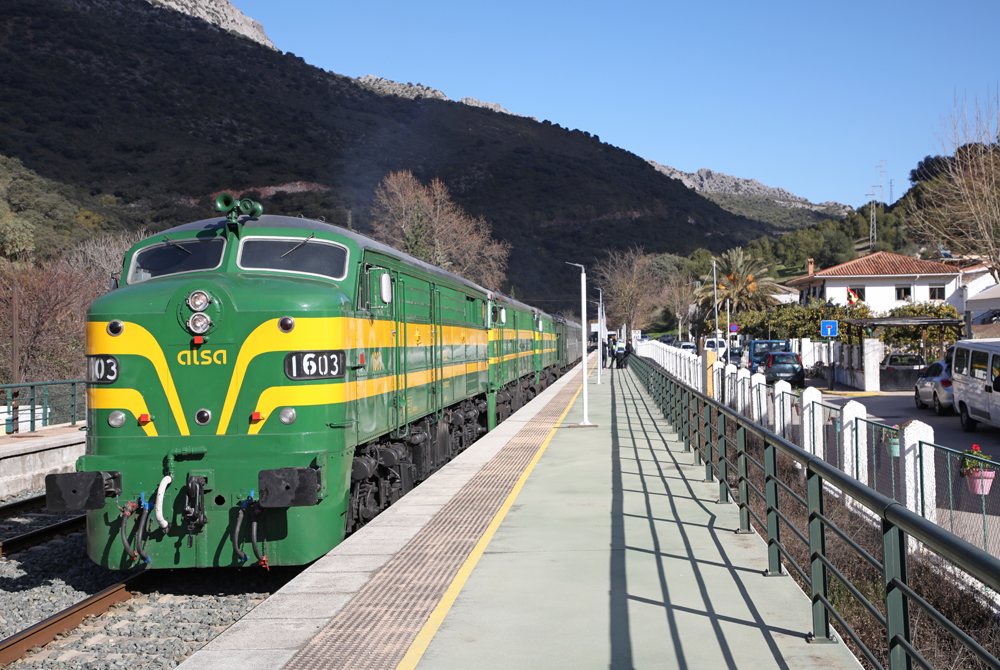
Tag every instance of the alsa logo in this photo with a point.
(377, 364)
(202, 357)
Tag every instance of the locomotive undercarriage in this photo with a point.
(389, 467)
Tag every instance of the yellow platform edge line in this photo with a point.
(430, 629)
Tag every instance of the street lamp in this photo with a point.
(584, 327)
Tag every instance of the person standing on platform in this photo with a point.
(629, 350)
(604, 352)
(619, 354)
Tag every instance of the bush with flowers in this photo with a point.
(974, 464)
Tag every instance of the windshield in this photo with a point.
(174, 257)
(911, 359)
(300, 255)
(770, 345)
(784, 359)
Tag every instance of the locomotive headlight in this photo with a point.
(115, 328)
(287, 415)
(202, 417)
(199, 323)
(198, 301)
(116, 419)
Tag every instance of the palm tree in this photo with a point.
(743, 280)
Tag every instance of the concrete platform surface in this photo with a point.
(608, 552)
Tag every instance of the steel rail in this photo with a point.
(43, 632)
(25, 540)
(18, 506)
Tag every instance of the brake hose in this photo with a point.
(261, 558)
(160, 491)
(236, 536)
(127, 511)
(139, 541)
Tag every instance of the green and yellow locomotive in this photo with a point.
(262, 385)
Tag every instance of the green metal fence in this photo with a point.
(28, 407)
(781, 491)
(961, 496)
(883, 467)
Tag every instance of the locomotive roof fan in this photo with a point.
(232, 208)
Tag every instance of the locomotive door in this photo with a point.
(437, 349)
(401, 410)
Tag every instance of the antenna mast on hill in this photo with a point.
(881, 173)
(872, 234)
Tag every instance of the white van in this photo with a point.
(975, 382)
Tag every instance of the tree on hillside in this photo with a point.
(960, 207)
(632, 289)
(424, 222)
(742, 280)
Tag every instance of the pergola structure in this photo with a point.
(867, 327)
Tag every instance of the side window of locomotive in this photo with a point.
(298, 255)
(175, 256)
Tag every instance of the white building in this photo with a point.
(883, 281)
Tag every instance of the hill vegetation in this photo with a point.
(151, 120)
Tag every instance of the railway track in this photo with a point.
(17, 645)
(36, 535)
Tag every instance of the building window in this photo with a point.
(904, 293)
(858, 291)
(937, 292)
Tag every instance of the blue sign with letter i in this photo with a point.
(828, 329)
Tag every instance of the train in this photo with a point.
(261, 386)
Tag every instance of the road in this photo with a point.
(898, 407)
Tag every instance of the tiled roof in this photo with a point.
(882, 264)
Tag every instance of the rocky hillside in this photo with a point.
(154, 119)
(417, 91)
(730, 191)
(221, 13)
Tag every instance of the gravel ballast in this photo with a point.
(183, 610)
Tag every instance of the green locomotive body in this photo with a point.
(266, 385)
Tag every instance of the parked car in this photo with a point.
(903, 362)
(934, 388)
(759, 350)
(975, 378)
(687, 346)
(716, 344)
(668, 339)
(786, 367)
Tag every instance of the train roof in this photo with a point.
(362, 240)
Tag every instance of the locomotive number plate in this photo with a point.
(102, 369)
(314, 364)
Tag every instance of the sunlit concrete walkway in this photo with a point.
(616, 554)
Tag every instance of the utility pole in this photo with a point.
(872, 233)
(715, 288)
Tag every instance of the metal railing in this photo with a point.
(40, 404)
(774, 482)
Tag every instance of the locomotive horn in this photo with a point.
(224, 203)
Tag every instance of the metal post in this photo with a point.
(715, 289)
(15, 365)
(817, 548)
(584, 327)
(897, 606)
(73, 401)
(773, 522)
(706, 422)
(721, 452)
(601, 338)
(31, 422)
(744, 488)
(686, 411)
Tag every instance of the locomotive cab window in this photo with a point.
(175, 256)
(298, 255)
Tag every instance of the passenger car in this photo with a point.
(784, 366)
(759, 350)
(975, 377)
(687, 346)
(934, 388)
(903, 362)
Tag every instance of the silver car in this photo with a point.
(934, 388)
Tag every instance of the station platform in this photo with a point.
(544, 545)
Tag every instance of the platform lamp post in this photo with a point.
(584, 327)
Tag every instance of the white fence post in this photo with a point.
(757, 384)
(915, 474)
(742, 382)
(782, 408)
(811, 428)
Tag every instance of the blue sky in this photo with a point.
(805, 96)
